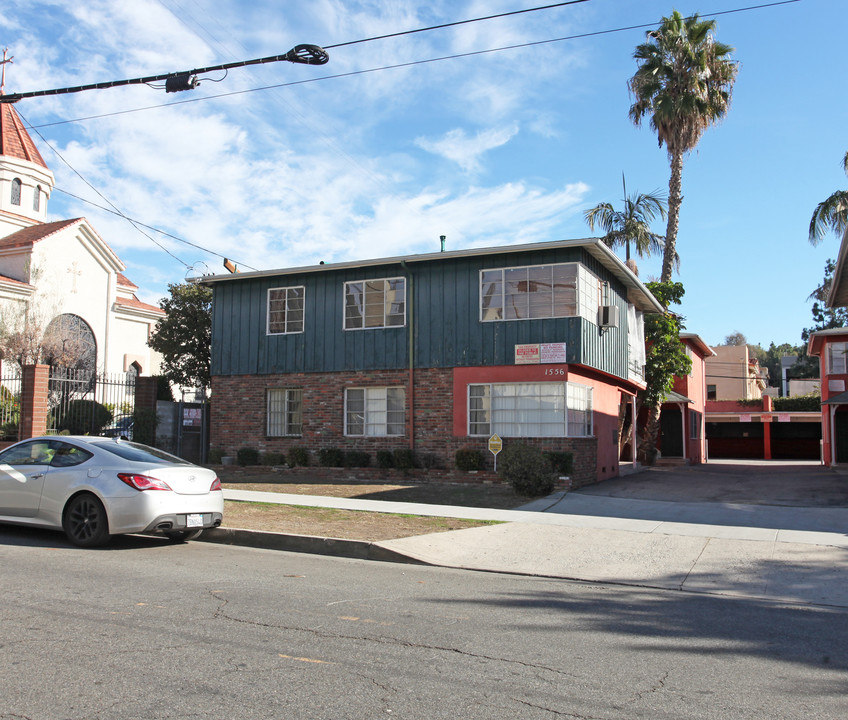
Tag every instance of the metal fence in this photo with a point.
(87, 403)
(10, 402)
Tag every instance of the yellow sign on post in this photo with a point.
(495, 446)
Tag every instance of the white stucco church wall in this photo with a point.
(64, 267)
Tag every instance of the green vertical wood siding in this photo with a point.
(448, 330)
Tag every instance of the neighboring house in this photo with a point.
(538, 343)
(682, 418)
(732, 374)
(831, 347)
(63, 272)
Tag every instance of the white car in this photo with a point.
(96, 487)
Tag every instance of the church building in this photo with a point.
(59, 277)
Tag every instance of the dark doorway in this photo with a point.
(671, 432)
(840, 431)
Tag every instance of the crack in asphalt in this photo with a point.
(221, 614)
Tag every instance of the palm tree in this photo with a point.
(831, 214)
(631, 225)
(684, 82)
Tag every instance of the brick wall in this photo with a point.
(238, 419)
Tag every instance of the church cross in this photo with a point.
(4, 62)
(76, 273)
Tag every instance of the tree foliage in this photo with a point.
(184, 335)
(632, 225)
(831, 214)
(824, 317)
(665, 358)
(683, 84)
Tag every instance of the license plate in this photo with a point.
(195, 520)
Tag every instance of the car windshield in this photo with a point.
(136, 452)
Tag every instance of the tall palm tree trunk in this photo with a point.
(675, 198)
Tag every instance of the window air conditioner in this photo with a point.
(608, 316)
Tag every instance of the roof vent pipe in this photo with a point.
(442, 238)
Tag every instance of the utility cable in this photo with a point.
(111, 204)
(411, 63)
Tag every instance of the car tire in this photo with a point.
(85, 522)
(179, 536)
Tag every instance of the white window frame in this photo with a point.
(837, 359)
(290, 299)
(17, 192)
(587, 293)
(374, 414)
(574, 413)
(284, 412)
(378, 314)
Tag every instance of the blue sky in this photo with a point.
(494, 149)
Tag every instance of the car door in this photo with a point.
(23, 468)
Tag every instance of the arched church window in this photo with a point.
(69, 342)
(16, 191)
(36, 198)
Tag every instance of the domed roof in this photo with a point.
(15, 141)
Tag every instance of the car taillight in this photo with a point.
(143, 482)
(216, 485)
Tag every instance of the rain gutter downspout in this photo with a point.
(411, 325)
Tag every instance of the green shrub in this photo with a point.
(330, 457)
(561, 462)
(799, 403)
(144, 425)
(404, 459)
(270, 459)
(215, 455)
(468, 459)
(84, 417)
(385, 459)
(298, 457)
(429, 461)
(527, 469)
(356, 458)
(247, 456)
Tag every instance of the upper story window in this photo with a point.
(36, 198)
(836, 358)
(375, 303)
(285, 310)
(539, 291)
(16, 191)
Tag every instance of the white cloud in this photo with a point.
(466, 151)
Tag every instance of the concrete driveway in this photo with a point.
(746, 482)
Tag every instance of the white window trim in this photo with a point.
(588, 286)
(384, 326)
(268, 310)
(285, 410)
(831, 352)
(566, 425)
(365, 423)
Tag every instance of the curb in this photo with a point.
(314, 545)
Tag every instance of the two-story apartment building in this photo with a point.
(539, 343)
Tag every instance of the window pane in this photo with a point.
(491, 295)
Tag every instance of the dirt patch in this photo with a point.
(330, 522)
(354, 524)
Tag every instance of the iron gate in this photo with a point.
(10, 402)
(82, 402)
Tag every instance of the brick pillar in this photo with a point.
(767, 418)
(146, 391)
(34, 410)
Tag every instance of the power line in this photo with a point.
(154, 229)
(412, 63)
(115, 208)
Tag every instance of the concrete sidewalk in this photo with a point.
(797, 555)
